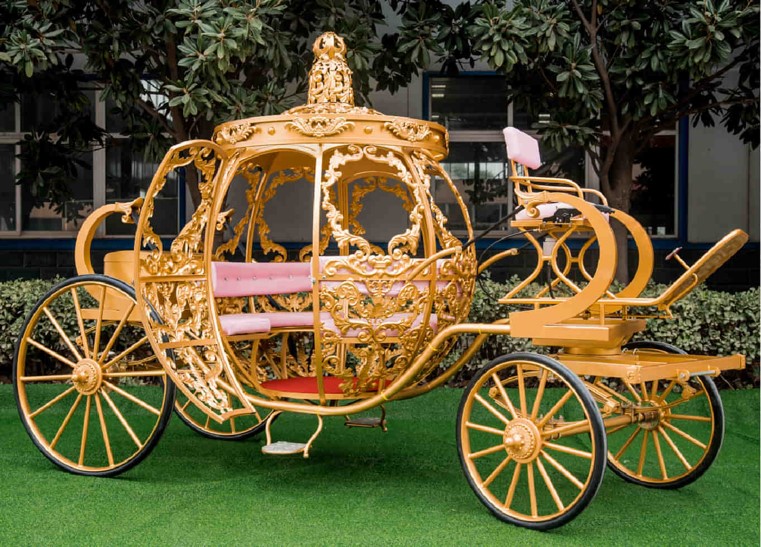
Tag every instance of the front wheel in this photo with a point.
(531, 441)
(90, 392)
(681, 434)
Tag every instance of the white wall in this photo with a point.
(723, 185)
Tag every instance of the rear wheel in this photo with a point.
(531, 441)
(681, 434)
(90, 392)
(237, 428)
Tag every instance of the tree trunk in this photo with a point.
(617, 187)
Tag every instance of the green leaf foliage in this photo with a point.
(176, 68)
(616, 72)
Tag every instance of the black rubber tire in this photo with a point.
(167, 401)
(219, 436)
(596, 436)
(717, 415)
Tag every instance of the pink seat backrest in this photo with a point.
(522, 148)
(234, 279)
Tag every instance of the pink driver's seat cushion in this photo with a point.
(522, 148)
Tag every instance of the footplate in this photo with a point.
(638, 367)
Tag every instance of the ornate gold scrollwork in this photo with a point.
(408, 129)
(330, 76)
(233, 134)
(319, 126)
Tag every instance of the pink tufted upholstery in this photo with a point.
(263, 323)
(522, 148)
(258, 278)
(239, 279)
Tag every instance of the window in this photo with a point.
(115, 173)
(653, 199)
(475, 110)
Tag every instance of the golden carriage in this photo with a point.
(247, 328)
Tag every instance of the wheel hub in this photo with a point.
(87, 376)
(522, 439)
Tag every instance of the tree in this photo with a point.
(208, 60)
(613, 73)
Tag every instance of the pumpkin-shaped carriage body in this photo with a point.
(317, 275)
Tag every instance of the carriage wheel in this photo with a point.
(89, 390)
(237, 428)
(683, 438)
(531, 441)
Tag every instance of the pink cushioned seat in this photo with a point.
(522, 148)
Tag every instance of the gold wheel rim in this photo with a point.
(532, 445)
(97, 388)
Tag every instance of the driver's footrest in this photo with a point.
(283, 448)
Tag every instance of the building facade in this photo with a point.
(692, 185)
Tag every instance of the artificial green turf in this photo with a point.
(360, 486)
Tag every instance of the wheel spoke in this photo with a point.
(531, 489)
(643, 453)
(495, 378)
(65, 422)
(491, 409)
(689, 418)
(659, 454)
(521, 388)
(539, 393)
(513, 485)
(116, 333)
(99, 322)
(135, 374)
(486, 451)
(121, 419)
(654, 391)
(616, 429)
(549, 485)
(644, 391)
(126, 352)
(50, 378)
(562, 470)
(85, 427)
(51, 402)
(65, 338)
(667, 391)
(132, 398)
(232, 425)
(52, 353)
(561, 402)
(569, 450)
(674, 449)
(104, 430)
(485, 429)
(684, 435)
(497, 471)
(627, 443)
(633, 391)
(80, 322)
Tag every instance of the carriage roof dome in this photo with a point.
(330, 115)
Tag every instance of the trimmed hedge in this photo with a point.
(706, 322)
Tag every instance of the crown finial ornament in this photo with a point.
(330, 76)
